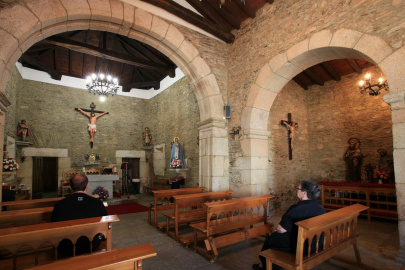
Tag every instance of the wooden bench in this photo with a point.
(28, 204)
(163, 201)
(190, 208)
(157, 184)
(125, 258)
(339, 232)
(15, 218)
(381, 199)
(231, 221)
(32, 239)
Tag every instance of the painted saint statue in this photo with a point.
(177, 155)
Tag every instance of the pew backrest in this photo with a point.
(15, 218)
(35, 236)
(125, 258)
(330, 234)
(163, 200)
(28, 204)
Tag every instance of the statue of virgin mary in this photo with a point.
(177, 155)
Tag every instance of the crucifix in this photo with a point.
(291, 126)
(93, 118)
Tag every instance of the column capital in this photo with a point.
(395, 99)
(251, 133)
(211, 123)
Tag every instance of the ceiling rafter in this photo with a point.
(354, 65)
(193, 18)
(332, 72)
(56, 75)
(107, 54)
(151, 84)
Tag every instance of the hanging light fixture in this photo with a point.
(103, 85)
(372, 89)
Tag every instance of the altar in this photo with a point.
(102, 180)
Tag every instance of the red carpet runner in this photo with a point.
(127, 208)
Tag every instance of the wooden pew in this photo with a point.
(15, 218)
(28, 204)
(163, 201)
(381, 199)
(157, 184)
(34, 238)
(125, 258)
(190, 208)
(339, 229)
(231, 221)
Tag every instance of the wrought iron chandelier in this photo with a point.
(103, 85)
(372, 89)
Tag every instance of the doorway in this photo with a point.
(130, 170)
(44, 177)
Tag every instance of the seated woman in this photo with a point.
(285, 237)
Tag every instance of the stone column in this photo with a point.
(396, 100)
(254, 163)
(213, 155)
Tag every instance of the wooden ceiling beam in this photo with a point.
(300, 82)
(229, 17)
(208, 12)
(313, 77)
(193, 18)
(106, 54)
(56, 75)
(332, 72)
(246, 9)
(354, 65)
(151, 84)
(140, 49)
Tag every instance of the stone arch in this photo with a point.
(24, 24)
(323, 46)
(277, 72)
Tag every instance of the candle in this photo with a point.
(84, 169)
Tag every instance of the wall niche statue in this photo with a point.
(354, 160)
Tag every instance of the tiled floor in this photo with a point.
(378, 243)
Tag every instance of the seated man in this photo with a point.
(285, 237)
(77, 206)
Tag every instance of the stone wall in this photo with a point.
(285, 174)
(174, 112)
(11, 117)
(54, 123)
(281, 25)
(337, 112)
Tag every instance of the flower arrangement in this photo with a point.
(176, 163)
(10, 164)
(381, 176)
(101, 192)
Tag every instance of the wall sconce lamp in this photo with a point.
(236, 131)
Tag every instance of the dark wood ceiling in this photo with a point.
(81, 53)
(137, 65)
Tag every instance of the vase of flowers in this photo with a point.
(102, 193)
(176, 163)
(380, 176)
(10, 165)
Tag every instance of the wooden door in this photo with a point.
(44, 176)
(37, 180)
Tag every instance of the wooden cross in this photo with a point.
(291, 126)
(92, 109)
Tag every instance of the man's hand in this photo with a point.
(280, 229)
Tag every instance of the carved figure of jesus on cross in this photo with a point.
(93, 118)
(291, 126)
